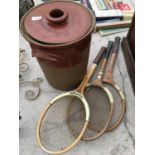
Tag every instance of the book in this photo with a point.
(109, 19)
(104, 14)
(112, 31)
(101, 5)
(111, 25)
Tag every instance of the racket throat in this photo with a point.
(83, 84)
(108, 78)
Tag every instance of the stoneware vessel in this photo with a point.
(59, 33)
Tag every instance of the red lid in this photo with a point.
(58, 22)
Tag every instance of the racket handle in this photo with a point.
(116, 45)
(109, 48)
(99, 55)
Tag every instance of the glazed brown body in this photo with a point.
(68, 68)
(64, 64)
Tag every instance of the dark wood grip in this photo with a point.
(116, 45)
(99, 55)
(109, 49)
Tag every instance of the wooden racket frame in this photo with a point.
(79, 93)
(98, 83)
(108, 79)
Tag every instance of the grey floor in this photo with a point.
(119, 142)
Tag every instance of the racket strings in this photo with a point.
(118, 105)
(55, 133)
(100, 107)
(77, 108)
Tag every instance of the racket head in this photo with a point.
(107, 79)
(56, 131)
(99, 117)
(119, 105)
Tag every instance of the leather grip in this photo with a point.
(116, 45)
(99, 55)
(109, 49)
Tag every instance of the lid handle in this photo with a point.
(57, 16)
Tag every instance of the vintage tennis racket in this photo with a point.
(53, 133)
(100, 102)
(119, 99)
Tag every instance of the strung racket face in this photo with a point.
(119, 100)
(53, 132)
(119, 106)
(100, 103)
